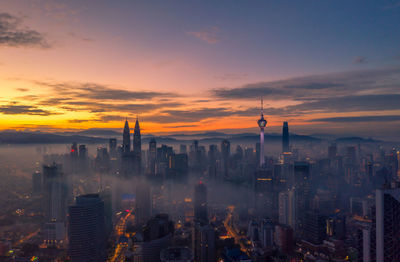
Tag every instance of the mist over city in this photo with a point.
(199, 131)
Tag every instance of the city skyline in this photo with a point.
(102, 62)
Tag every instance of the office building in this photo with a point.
(126, 138)
(200, 203)
(86, 231)
(285, 137)
(387, 223)
(137, 149)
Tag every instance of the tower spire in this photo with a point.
(262, 123)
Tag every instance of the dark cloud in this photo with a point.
(96, 91)
(339, 104)
(77, 121)
(351, 119)
(195, 115)
(317, 86)
(14, 109)
(22, 89)
(349, 104)
(183, 126)
(359, 60)
(13, 33)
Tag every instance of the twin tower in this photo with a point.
(133, 156)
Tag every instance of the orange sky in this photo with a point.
(77, 66)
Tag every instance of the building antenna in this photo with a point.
(262, 107)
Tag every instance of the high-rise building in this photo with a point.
(83, 158)
(55, 198)
(387, 224)
(205, 244)
(314, 227)
(82, 152)
(143, 203)
(262, 123)
(174, 254)
(200, 203)
(177, 166)
(182, 149)
(253, 231)
(285, 137)
(156, 236)
(36, 182)
(332, 151)
(336, 226)
(363, 240)
(287, 208)
(126, 138)
(137, 148)
(152, 156)
(212, 161)
(267, 233)
(86, 231)
(284, 238)
(112, 147)
(74, 151)
(225, 151)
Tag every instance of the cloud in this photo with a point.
(14, 109)
(22, 89)
(99, 92)
(317, 86)
(359, 60)
(77, 121)
(231, 77)
(195, 115)
(351, 119)
(209, 35)
(12, 33)
(351, 103)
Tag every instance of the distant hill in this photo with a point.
(16, 137)
(356, 139)
(100, 136)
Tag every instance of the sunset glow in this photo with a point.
(77, 66)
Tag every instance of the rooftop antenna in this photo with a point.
(262, 107)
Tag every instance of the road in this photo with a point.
(120, 231)
(27, 237)
(233, 233)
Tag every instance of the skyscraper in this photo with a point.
(225, 151)
(287, 208)
(285, 137)
(86, 232)
(387, 224)
(332, 151)
(55, 203)
(137, 148)
(152, 156)
(156, 235)
(200, 203)
(212, 161)
(36, 182)
(143, 202)
(207, 244)
(112, 147)
(262, 123)
(126, 138)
